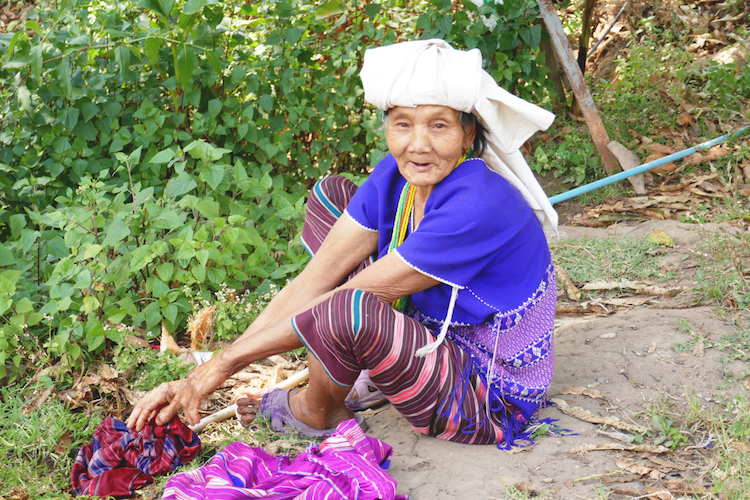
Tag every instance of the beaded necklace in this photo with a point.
(401, 225)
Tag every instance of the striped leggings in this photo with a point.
(355, 330)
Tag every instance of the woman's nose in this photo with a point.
(420, 139)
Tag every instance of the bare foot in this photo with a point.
(249, 406)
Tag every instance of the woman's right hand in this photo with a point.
(169, 398)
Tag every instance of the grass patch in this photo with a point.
(724, 269)
(521, 492)
(38, 448)
(590, 259)
(731, 467)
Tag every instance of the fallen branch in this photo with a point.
(230, 411)
(587, 416)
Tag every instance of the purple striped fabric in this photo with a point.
(346, 466)
(120, 460)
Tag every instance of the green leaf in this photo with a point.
(213, 175)
(372, 10)
(186, 251)
(293, 35)
(170, 313)
(532, 35)
(140, 257)
(198, 272)
(122, 57)
(165, 270)
(13, 42)
(157, 287)
(214, 107)
(89, 110)
(177, 186)
(423, 22)
(208, 208)
(6, 256)
(69, 118)
(7, 286)
(127, 304)
(266, 102)
(205, 151)
(90, 303)
(116, 231)
(202, 256)
(28, 239)
(152, 46)
(37, 60)
(33, 25)
(92, 251)
(195, 6)
(153, 315)
(167, 219)
(24, 306)
(57, 248)
(17, 223)
(216, 275)
(116, 315)
(163, 7)
(5, 304)
(185, 65)
(74, 350)
(24, 98)
(163, 156)
(331, 8)
(63, 72)
(444, 24)
(95, 337)
(83, 279)
(213, 60)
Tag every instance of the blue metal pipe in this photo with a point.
(642, 168)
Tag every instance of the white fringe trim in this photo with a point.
(425, 350)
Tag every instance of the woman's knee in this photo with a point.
(353, 312)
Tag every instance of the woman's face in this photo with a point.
(427, 142)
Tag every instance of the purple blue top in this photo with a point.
(478, 233)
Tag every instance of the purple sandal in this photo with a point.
(275, 407)
(368, 394)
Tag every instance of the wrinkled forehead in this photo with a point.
(427, 111)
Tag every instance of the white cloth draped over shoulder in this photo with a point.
(432, 72)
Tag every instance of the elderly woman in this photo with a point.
(434, 276)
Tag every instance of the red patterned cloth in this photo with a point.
(121, 460)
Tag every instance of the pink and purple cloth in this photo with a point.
(347, 466)
(121, 460)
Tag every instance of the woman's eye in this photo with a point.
(440, 125)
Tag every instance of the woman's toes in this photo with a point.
(247, 407)
(247, 410)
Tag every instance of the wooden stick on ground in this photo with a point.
(230, 411)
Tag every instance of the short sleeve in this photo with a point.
(374, 204)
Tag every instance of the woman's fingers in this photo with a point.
(153, 403)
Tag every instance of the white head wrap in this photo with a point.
(432, 72)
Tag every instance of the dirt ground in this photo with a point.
(628, 357)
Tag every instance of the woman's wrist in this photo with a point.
(211, 374)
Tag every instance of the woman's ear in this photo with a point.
(469, 137)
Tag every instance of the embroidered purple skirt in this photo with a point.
(444, 394)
